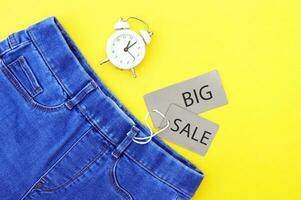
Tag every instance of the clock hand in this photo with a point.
(127, 46)
(132, 45)
(131, 54)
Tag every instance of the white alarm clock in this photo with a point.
(126, 48)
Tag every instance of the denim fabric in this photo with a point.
(64, 135)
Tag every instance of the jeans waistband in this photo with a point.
(13, 41)
(101, 107)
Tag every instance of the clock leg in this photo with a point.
(133, 72)
(104, 61)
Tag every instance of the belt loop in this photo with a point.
(12, 41)
(80, 95)
(125, 142)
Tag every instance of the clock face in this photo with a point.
(125, 49)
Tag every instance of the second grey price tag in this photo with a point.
(188, 130)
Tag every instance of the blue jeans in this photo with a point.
(64, 135)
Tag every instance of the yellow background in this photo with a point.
(256, 47)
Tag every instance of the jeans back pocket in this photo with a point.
(75, 162)
(133, 181)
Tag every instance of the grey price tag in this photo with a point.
(188, 130)
(198, 94)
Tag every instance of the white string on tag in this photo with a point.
(147, 139)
